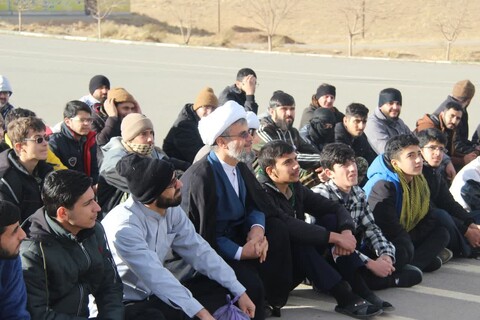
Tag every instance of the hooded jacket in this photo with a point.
(61, 270)
(379, 129)
(78, 155)
(20, 187)
(112, 187)
(385, 196)
(183, 140)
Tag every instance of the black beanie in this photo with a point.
(146, 177)
(324, 89)
(389, 95)
(98, 81)
(9, 213)
(325, 115)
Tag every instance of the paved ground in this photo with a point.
(449, 293)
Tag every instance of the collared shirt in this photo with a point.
(358, 207)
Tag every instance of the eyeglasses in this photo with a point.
(173, 182)
(38, 140)
(436, 148)
(243, 135)
(84, 120)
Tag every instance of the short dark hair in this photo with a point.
(242, 73)
(73, 107)
(356, 110)
(453, 105)
(271, 151)
(63, 188)
(336, 153)
(396, 144)
(280, 98)
(431, 134)
(18, 113)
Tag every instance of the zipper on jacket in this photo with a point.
(89, 261)
(80, 303)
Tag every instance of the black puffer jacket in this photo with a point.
(20, 187)
(183, 140)
(60, 271)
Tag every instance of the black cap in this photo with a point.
(146, 177)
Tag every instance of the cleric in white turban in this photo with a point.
(213, 125)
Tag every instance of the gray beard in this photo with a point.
(243, 156)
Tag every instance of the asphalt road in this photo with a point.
(46, 73)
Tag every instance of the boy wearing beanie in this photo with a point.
(98, 88)
(323, 98)
(5, 93)
(183, 140)
(385, 121)
(137, 136)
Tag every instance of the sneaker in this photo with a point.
(446, 255)
(408, 276)
(434, 265)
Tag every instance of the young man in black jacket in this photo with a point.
(65, 257)
(462, 226)
(280, 179)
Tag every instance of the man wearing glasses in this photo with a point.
(75, 144)
(23, 168)
(462, 226)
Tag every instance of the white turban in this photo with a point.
(252, 120)
(213, 125)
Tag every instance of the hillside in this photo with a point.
(393, 28)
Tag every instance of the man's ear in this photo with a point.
(220, 141)
(17, 146)
(67, 121)
(62, 214)
(330, 173)
(345, 121)
(269, 171)
(394, 162)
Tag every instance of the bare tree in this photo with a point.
(23, 5)
(452, 21)
(101, 9)
(182, 10)
(268, 14)
(357, 19)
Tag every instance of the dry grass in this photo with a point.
(401, 29)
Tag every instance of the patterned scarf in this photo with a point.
(416, 199)
(140, 148)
